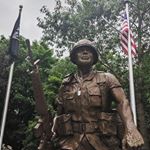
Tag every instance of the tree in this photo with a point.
(3, 64)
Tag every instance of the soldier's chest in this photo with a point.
(85, 94)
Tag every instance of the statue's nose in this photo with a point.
(85, 50)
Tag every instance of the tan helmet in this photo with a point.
(83, 43)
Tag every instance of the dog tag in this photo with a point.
(79, 93)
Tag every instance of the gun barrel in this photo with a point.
(40, 105)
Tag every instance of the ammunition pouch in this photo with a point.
(109, 124)
(111, 129)
(62, 125)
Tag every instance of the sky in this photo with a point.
(9, 10)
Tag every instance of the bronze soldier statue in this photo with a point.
(86, 120)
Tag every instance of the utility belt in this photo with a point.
(79, 127)
(107, 124)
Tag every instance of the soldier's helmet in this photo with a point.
(83, 43)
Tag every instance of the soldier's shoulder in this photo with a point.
(100, 73)
(107, 74)
(100, 76)
(104, 76)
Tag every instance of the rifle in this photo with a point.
(43, 128)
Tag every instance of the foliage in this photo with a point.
(4, 63)
(84, 20)
(78, 20)
(30, 141)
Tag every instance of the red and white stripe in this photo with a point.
(124, 39)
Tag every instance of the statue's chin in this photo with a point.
(84, 63)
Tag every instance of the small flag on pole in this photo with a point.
(14, 38)
(13, 48)
(124, 37)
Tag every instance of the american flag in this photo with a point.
(124, 37)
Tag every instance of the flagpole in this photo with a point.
(13, 48)
(6, 103)
(131, 80)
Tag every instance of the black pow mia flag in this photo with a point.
(14, 38)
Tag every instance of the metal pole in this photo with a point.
(131, 80)
(6, 103)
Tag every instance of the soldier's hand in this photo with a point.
(132, 139)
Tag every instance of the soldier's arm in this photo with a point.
(132, 136)
(123, 107)
(118, 94)
(60, 101)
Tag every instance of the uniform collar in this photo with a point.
(89, 77)
(74, 78)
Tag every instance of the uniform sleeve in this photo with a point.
(60, 101)
(112, 81)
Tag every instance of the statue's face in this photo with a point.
(84, 56)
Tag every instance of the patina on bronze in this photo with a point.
(85, 118)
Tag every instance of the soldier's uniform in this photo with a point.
(85, 119)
